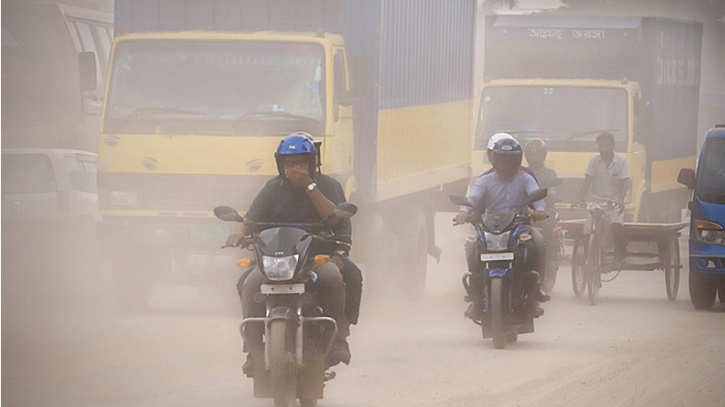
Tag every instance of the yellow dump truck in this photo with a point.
(568, 79)
(200, 93)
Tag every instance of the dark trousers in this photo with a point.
(330, 297)
(536, 262)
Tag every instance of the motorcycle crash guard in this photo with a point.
(283, 313)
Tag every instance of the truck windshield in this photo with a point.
(711, 186)
(566, 117)
(216, 87)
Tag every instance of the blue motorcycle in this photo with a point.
(505, 252)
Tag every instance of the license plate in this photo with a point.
(282, 289)
(497, 256)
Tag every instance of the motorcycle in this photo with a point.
(503, 250)
(297, 337)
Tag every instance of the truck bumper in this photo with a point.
(707, 261)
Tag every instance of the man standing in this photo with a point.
(607, 180)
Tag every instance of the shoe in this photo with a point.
(538, 311)
(248, 366)
(542, 296)
(474, 312)
(340, 353)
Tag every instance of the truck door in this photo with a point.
(338, 151)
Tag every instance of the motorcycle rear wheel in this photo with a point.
(498, 313)
(282, 368)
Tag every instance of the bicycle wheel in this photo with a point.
(578, 267)
(594, 276)
(672, 268)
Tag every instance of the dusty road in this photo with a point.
(633, 349)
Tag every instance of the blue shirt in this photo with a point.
(493, 195)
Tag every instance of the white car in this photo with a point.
(48, 183)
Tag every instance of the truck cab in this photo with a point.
(707, 222)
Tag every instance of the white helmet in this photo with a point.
(496, 138)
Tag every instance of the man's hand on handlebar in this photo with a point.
(540, 215)
(460, 218)
(234, 239)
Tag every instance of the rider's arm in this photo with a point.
(624, 181)
(477, 195)
(323, 206)
(530, 186)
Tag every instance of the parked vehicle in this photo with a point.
(297, 337)
(566, 79)
(707, 221)
(44, 102)
(392, 107)
(504, 249)
(48, 183)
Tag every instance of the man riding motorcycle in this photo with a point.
(299, 194)
(503, 191)
(535, 153)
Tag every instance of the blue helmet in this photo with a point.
(296, 143)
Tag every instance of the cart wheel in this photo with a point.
(594, 275)
(672, 268)
(578, 263)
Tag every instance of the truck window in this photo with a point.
(229, 87)
(711, 187)
(567, 117)
(338, 63)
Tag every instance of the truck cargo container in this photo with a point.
(199, 95)
(567, 79)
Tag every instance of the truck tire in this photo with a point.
(411, 262)
(702, 294)
(132, 284)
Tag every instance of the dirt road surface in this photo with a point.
(635, 348)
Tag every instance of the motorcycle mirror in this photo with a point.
(459, 199)
(344, 210)
(554, 182)
(537, 195)
(228, 214)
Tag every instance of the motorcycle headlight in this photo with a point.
(497, 243)
(280, 268)
(709, 232)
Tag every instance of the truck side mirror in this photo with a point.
(87, 67)
(686, 177)
(360, 74)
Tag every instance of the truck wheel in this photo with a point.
(702, 294)
(412, 260)
(132, 284)
(308, 402)
(721, 294)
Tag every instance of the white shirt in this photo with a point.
(606, 180)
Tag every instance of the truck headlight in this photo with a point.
(280, 268)
(124, 198)
(709, 232)
(497, 243)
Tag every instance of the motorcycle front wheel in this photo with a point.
(282, 367)
(498, 312)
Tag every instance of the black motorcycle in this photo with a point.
(504, 251)
(297, 337)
